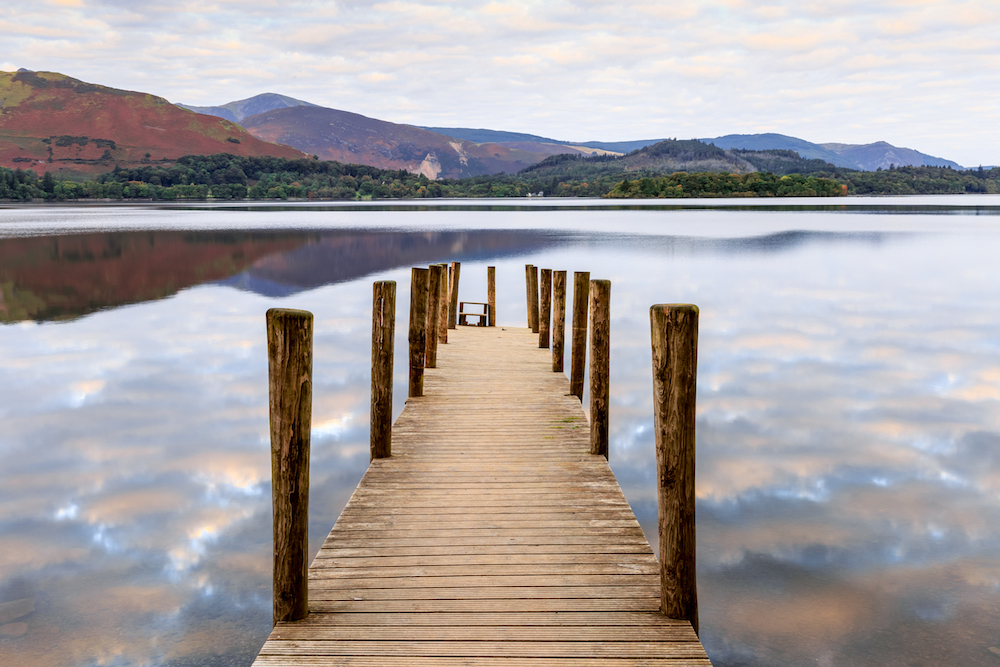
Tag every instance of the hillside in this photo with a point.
(355, 139)
(865, 157)
(481, 135)
(51, 122)
(240, 109)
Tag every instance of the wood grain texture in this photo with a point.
(491, 293)
(455, 275)
(578, 342)
(600, 365)
(444, 303)
(289, 347)
(544, 308)
(417, 337)
(674, 330)
(558, 320)
(383, 339)
(491, 536)
(433, 314)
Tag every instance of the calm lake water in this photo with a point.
(848, 410)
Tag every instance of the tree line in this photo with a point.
(229, 177)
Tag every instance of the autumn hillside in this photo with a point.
(51, 122)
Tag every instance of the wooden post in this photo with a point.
(444, 303)
(491, 294)
(418, 330)
(453, 313)
(383, 339)
(600, 364)
(533, 296)
(545, 308)
(675, 373)
(558, 320)
(289, 355)
(527, 294)
(433, 313)
(578, 348)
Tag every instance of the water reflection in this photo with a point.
(848, 470)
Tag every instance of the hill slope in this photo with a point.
(51, 122)
(356, 139)
(866, 157)
(240, 109)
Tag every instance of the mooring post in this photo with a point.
(444, 303)
(558, 320)
(544, 308)
(675, 373)
(533, 295)
(578, 349)
(491, 294)
(418, 329)
(600, 364)
(433, 313)
(527, 294)
(289, 356)
(453, 312)
(383, 339)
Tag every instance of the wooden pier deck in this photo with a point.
(490, 537)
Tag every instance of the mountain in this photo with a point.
(51, 122)
(481, 135)
(240, 109)
(865, 157)
(352, 138)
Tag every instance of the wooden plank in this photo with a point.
(491, 536)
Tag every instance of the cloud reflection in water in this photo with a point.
(848, 468)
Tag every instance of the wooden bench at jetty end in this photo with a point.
(483, 316)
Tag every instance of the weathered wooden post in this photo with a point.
(453, 313)
(533, 296)
(578, 349)
(289, 353)
(545, 308)
(491, 294)
(600, 364)
(433, 313)
(558, 320)
(383, 339)
(444, 303)
(527, 295)
(675, 373)
(418, 330)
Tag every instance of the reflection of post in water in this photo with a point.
(289, 347)
(675, 373)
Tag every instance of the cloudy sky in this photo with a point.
(917, 73)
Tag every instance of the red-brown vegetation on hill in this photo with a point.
(355, 139)
(51, 122)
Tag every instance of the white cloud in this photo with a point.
(824, 71)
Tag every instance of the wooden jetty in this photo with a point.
(490, 536)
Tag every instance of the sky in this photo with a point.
(922, 74)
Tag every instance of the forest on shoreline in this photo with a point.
(229, 177)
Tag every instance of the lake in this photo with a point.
(848, 465)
